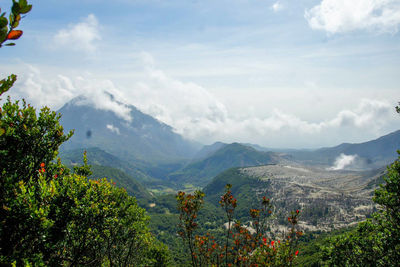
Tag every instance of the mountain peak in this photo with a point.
(143, 137)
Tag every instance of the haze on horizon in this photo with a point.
(287, 74)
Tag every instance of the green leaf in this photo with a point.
(10, 44)
(15, 8)
(3, 22)
(16, 21)
(11, 18)
(6, 84)
(26, 9)
(2, 131)
(3, 34)
(22, 3)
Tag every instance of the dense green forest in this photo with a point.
(67, 214)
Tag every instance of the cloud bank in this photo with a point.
(197, 114)
(340, 16)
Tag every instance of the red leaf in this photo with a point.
(14, 35)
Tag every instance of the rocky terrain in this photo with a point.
(328, 199)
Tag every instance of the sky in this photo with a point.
(278, 73)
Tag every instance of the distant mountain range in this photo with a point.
(143, 138)
(372, 154)
(153, 153)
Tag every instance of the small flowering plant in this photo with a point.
(229, 204)
(42, 169)
(281, 252)
(189, 206)
(260, 217)
(243, 246)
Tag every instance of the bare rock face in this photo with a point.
(328, 199)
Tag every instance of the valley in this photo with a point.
(330, 195)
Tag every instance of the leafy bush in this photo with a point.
(50, 216)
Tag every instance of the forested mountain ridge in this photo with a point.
(227, 156)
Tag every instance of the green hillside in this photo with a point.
(233, 155)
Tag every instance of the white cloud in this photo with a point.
(113, 129)
(287, 130)
(97, 93)
(186, 106)
(277, 6)
(343, 161)
(337, 16)
(40, 90)
(81, 36)
(369, 113)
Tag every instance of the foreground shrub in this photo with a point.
(243, 245)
